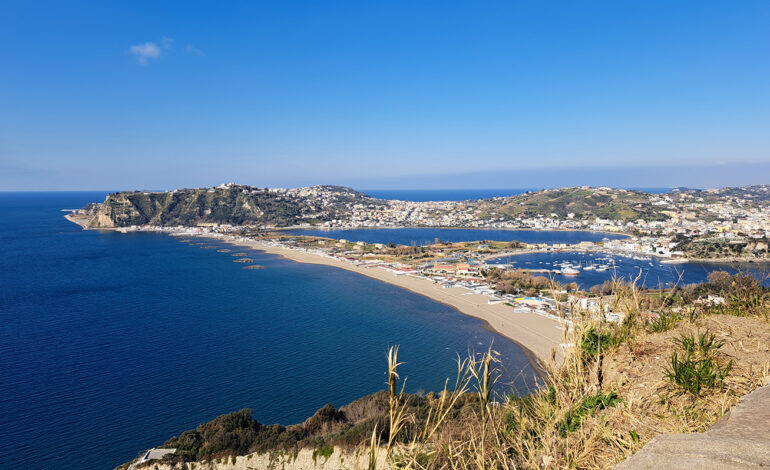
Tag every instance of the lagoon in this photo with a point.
(650, 272)
(427, 236)
(653, 272)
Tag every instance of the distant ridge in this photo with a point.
(225, 204)
(241, 205)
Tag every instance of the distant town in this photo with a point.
(737, 216)
(683, 225)
(729, 224)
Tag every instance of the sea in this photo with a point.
(111, 343)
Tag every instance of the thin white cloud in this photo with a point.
(166, 43)
(146, 51)
(151, 50)
(190, 49)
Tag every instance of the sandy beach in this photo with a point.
(538, 335)
(78, 219)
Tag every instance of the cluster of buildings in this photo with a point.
(732, 214)
(718, 214)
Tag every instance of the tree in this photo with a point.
(720, 279)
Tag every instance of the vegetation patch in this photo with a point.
(593, 342)
(696, 367)
(324, 451)
(588, 406)
(662, 322)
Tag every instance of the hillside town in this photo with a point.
(737, 219)
(728, 224)
(683, 211)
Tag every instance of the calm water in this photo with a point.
(112, 343)
(426, 236)
(653, 272)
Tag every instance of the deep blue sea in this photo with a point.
(427, 236)
(111, 343)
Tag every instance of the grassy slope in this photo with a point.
(584, 203)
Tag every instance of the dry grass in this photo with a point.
(603, 401)
(603, 397)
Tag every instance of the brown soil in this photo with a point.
(652, 406)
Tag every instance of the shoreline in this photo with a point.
(82, 221)
(539, 337)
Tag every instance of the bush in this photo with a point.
(663, 322)
(743, 293)
(324, 451)
(696, 367)
(588, 406)
(589, 346)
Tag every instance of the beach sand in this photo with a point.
(78, 219)
(538, 335)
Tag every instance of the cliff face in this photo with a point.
(304, 459)
(231, 204)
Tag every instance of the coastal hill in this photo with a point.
(243, 205)
(605, 203)
(729, 224)
(226, 204)
(247, 205)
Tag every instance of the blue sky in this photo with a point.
(158, 95)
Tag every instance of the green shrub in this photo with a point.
(324, 451)
(663, 322)
(743, 293)
(587, 406)
(589, 345)
(696, 367)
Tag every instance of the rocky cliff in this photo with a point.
(226, 204)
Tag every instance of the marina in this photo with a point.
(594, 268)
